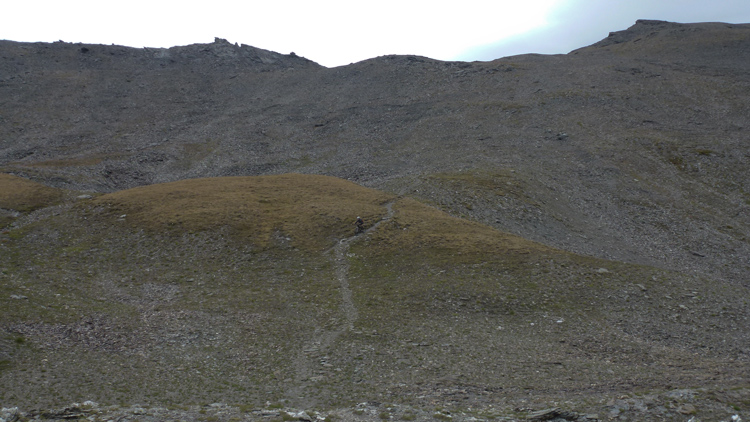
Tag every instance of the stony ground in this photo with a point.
(676, 405)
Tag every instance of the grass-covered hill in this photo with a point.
(23, 195)
(254, 292)
(307, 212)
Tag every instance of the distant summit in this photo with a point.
(703, 44)
(221, 54)
(226, 52)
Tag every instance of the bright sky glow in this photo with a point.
(338, 32)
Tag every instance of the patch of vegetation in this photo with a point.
(287, 417)
(704, 151)
(496, 182)
(304, 211)
(5, 220)
(23, 195)
(447, 240)
(677, 161)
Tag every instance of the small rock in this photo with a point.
(602, 270)
(9, 414)
(84, 196)
(20, 297)
(683, 394)
(302, 416)
(544, 415)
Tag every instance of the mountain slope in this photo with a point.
(627, 149)
(603, 189)
(189, 300)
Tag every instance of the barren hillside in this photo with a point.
(567, 230)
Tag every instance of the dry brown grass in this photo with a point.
(309, 212)
(416, 226)
(305, 211)
(23, 195)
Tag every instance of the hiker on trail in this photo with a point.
(360, 225)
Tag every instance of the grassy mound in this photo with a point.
(24, 195)
(305, 211)
(441, 238)
(309, 212)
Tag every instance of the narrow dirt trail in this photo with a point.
(311, 363)
(342, 271)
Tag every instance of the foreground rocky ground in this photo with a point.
(677, 405)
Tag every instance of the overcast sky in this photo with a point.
(339, 32)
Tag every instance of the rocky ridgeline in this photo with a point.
(219, 54)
